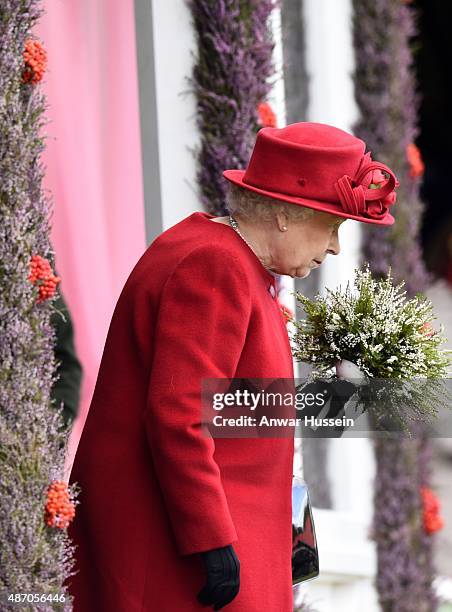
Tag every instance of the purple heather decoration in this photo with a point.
(388, 103)
(385, 90)
(405, 571)
(230, 77)
(34, 558)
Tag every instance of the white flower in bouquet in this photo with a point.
(375, 330)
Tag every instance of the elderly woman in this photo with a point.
(169, 518)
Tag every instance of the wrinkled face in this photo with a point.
(294, 251)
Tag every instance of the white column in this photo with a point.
(330, 65)
(165, 42)
(277, 101)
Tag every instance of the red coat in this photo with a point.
(154, 489)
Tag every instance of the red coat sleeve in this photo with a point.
(200, 332)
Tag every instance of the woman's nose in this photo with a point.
(334, 246)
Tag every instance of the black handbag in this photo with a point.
(305, 554)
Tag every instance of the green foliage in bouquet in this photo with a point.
(388, 336)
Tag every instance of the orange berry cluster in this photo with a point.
(432, 519)
(41, 275)
(59, 509)
(414, 160)
(266, 115)
(35, 58)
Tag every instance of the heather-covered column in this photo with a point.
(230, 79)
(35, 506)
(388, 103)
(386, 96)
(404, 556)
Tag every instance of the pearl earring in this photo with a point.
(284, 227)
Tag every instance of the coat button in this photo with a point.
(272, 291)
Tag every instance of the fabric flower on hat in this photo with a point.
(378, 208)
(371, 193)
(376, 178)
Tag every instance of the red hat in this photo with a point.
(321, 167)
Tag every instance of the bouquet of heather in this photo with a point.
(388, 337)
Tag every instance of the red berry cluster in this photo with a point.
(35, 58)
(41, 275)
(432, 519)
(267, 117)
(59, 509)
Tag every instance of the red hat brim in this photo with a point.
(236, 177)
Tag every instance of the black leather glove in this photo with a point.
(223, 577)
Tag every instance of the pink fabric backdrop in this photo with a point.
(93, 162)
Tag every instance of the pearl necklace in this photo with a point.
(233, 223)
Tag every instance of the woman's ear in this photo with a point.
(282, 220)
